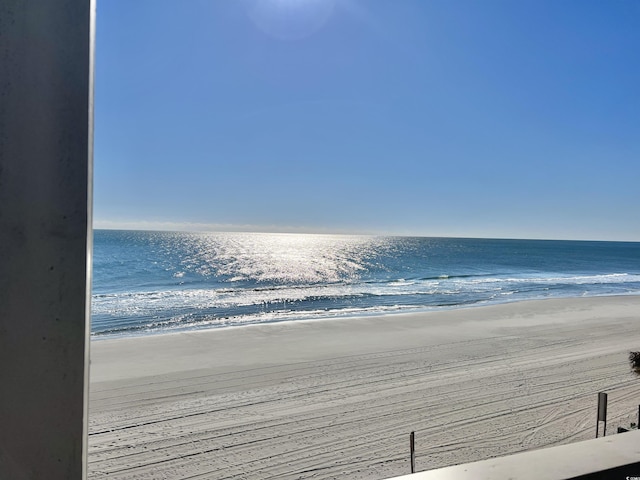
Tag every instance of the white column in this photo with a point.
(46, 130)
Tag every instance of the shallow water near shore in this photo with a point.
(155, 282)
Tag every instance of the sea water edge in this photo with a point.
(324, 316)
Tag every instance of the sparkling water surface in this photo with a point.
(154, 282)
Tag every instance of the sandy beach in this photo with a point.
(333, 399)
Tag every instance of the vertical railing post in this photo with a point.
(602, 413)
(412, 448)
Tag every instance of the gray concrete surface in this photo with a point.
(612, 457)
(45, 243)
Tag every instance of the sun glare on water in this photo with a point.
(280, 258)
(290, 19)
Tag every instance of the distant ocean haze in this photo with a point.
(155, 282)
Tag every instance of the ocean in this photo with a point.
(156, 282)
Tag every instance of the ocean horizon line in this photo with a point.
(362, 234)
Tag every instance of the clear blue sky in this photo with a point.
(428, 117)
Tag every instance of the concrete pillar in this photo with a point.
(46, 129)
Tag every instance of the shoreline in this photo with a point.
(345, 316)
(336, 397)
(175, 342)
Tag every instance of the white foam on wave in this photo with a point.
(561, 279)
(131, 303)
(191, 308)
